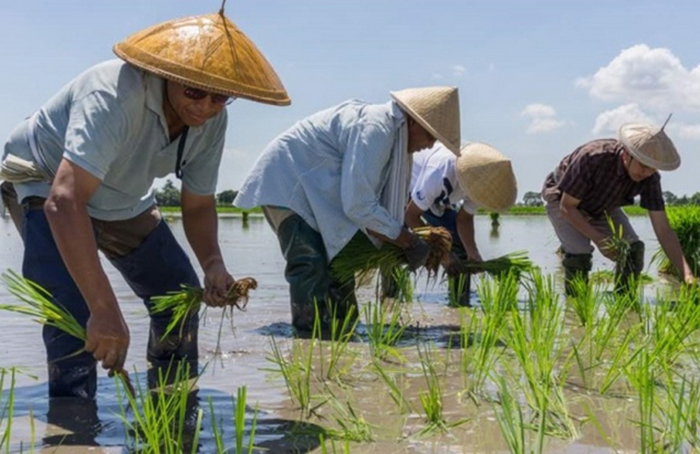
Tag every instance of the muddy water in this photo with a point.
(252, 250)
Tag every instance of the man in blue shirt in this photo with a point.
(79, 174)
(342, 171)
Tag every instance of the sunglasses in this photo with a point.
(197, 94)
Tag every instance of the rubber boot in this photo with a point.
(629, 268)
(342, 302)
(306, 272)
(576, 268)
(459, 288)
(158, 266)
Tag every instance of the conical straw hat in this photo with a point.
(207, 52)
(436, 109)
(487, 177)
(650, 146)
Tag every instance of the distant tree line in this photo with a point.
(169, 196)
(534, 199)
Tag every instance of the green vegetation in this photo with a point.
(685, 221)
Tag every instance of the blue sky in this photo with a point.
(536, 79)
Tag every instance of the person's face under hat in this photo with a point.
(635, 169)
(418, 137)
(192, 106)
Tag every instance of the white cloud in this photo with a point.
(651, 77)
(611, 120)
(542, 118)
(458, 70)
(691, 132)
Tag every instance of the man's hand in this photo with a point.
(217, 282)
(416, 253)
(108, 339)
(606, 248)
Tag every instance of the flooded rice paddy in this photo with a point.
(444, 386)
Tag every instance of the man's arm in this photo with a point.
(200, 222)
(465, 230)
(66, 212)
(569, 209)
(412, 216)
(670, 244)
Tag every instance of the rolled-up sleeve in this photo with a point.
(364, 170)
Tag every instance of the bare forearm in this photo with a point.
(201, 228)
(576, 218)
(672, 247)
(403, 240)
(466, 233)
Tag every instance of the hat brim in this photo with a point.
(453, 147)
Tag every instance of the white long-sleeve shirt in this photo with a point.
(331, 169)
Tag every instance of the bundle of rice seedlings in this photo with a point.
(360, 256)
(515, 262)
(186, 302)
(39, 304)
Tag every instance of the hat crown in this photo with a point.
(436, 109)
(207, 52)
(487, 177)
(650, 145)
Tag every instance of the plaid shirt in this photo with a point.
(595, 174)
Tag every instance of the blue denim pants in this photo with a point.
(154, 267)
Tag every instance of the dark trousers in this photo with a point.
(459, 286)
(146, 253)
(311, 284)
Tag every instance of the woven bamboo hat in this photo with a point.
(436, 109)
(486, 176)
(207, 52)
(650, 146)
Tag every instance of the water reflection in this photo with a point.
(250, 249)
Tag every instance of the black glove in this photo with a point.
(416, 253)
(453, 267)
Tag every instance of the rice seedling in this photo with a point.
(608, 277)
(7, 405)
(680, 414)
(515, 263)
(482, 335)
(351, 425)
(344, 449)
(384, 330)
(509, 415)
(161, 416)
(341, 333)
(39, 304)
(536, 338)
(431, 399)
(584, 301)
(685, 222)
(240, 422)
(643, 376)
(360, 256)
(239, 425)
(297, 371)
(187, 301)
(395, 389)
(456, 287)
